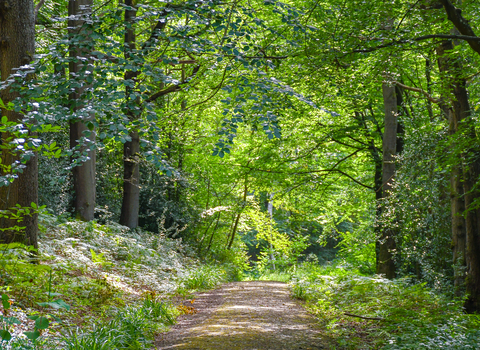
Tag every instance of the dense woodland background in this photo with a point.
(266, 134)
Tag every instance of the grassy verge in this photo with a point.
(96, 287)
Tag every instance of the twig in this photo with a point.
(364, 317)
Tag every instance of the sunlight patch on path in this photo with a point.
(251, 315)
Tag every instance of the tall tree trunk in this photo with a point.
(378, 181)
(386, 244)
(457, 196)
(17, 30)
(131, 149)
(83, 174)
(457, 205)
(466, 242)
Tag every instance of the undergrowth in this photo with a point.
(371, 312)
(96, 287)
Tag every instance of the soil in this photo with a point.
(255, 315)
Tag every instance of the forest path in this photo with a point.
(245, 316)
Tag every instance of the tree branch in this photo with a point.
(261, 57)
(307, 172)
(455, 16)
(160, 26)
(172, 88)
(423, 92)
(351, 178)
(37, 8)
(468, 38)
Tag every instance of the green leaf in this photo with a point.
(5, 335)
(14, 320)
(62, 304)
(56, 318)
(42, 323)
(57, 304)
(32, 335)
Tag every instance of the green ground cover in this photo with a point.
(95, 286)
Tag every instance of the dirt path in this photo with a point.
(245, 316)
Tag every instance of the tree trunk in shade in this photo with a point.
(83, 175)
(386, 243)
(466, 172)
(17, 28)
(131, 149)
(131, 187)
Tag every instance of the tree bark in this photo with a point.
(378, 194)
(461, 24)
(466, 240)
(131, 182)
(386, 244)
(457, 204)
(83, 174)
(131, 149)
(457, 195)
(17, 30)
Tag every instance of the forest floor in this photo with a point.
(244, 316)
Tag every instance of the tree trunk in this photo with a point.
(213, 234)
(457, 207)
(466, 243)
(237, 219)
(131, 149)
(17, 30)
(131, 182)
(378, 194)
(83, 174)
(386, 246)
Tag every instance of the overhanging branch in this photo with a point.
(455, 16)
(172, 88)
(467, 38)
(423, 92)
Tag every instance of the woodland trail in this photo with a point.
(245, 316)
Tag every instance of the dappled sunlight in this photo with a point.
(253, 315)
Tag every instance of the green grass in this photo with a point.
(132, 327)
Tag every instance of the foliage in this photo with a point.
(100, 271)
(410, 316)
(203, 278)
(419, 210)
(132, 327)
